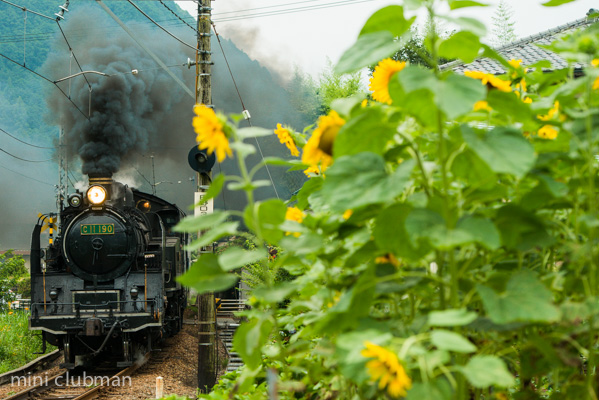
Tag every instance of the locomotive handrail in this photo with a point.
(88, 308)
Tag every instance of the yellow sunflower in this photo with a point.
(482, 105)
(294, 214)
(379, 83)
(387, 369)
(319, 148)
(211, 135)
(312, 171)
(490, 80)
(285, 137)
(547, 132)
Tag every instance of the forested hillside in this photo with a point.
(29, 107)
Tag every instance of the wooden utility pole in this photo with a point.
(207, 351)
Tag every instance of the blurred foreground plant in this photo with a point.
(445, 246)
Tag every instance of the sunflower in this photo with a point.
(211, 135)
(319, 148)
(547, 132)
(482, 105)
(379, 83)
(294, 214)
(312, 171)
(284, 135)
(387, 369)
(490, 80)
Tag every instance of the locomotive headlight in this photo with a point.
(96, 195)
(74, 200)
(134, 293)
(53, 294)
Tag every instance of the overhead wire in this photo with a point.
(23, 159)
(26, 9)
(28, 144)
(180, 18)
(25, 176)
(73, 53)
(43, 77)
(292, 11)
(160, 26)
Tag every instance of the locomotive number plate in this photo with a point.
(97, 229)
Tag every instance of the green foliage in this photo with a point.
(13, 278)
(451, 252)
(17, 343)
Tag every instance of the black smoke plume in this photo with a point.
(124, 113)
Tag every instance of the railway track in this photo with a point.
(80, 385)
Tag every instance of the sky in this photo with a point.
(307, 33)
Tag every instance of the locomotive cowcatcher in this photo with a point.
(106, 284)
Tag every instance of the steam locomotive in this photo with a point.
(106, 284)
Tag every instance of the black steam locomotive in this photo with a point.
(106, 284)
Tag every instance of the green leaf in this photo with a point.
(201, 222)
(521, 229)
(235, 257)
(252, 132)
(275, 294)
(451, 341)
(389, 19)
(215, 188)
(457, 94)
(206, 275)
(245, 149)
(438, 389)
(452, 317)
(555, 3)
(249, 339)
(372, 123)
(483, 371)
(391, 235)
(481, 230)
(503, 149)
(265, 219)
(217, 232)
(312, 185)
(456, 4)
(508, 104)
(463, 45)
(368, 50)
(361, 179)
(525, 299)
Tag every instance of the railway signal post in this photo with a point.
(207, 351)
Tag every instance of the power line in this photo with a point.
(72, 52)
(43, 77)
(160, 26)
(145, 48)
(26, 9)
(28, 144)
(22, 159)
(292, 10)
(261, 8)
(180, 18)
(25, 176)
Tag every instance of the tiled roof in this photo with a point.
(526, 49)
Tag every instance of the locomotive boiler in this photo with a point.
(106, 284)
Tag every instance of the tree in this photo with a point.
(313, 98)
(12, 273)
(333, 86)
(503, 25)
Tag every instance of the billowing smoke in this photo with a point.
(128, 113)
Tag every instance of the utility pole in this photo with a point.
(63, 185)
(207, 345)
